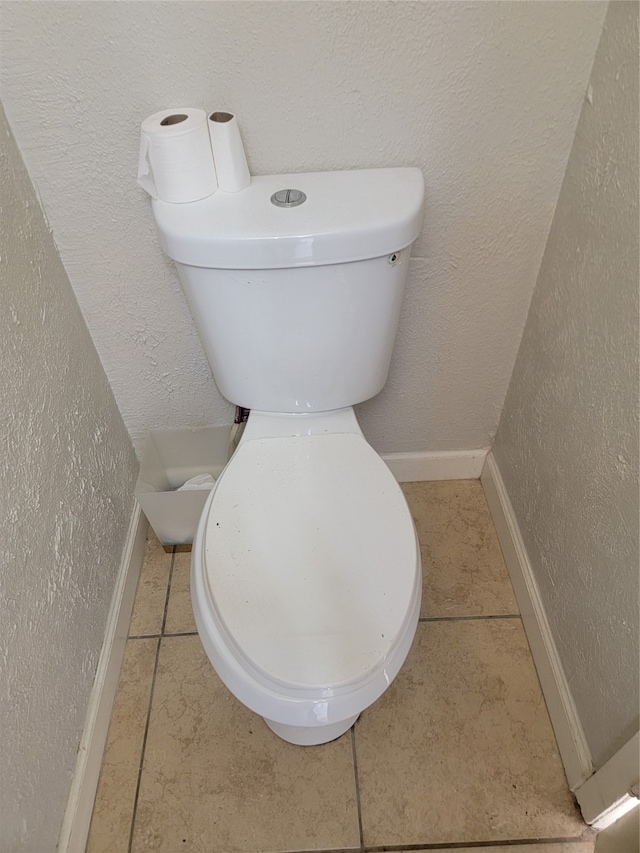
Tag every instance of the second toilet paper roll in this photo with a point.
(228, 152)
(176, 161)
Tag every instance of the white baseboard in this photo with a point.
(75, 826)
(572, 743)
(606, 796)
(445, 465)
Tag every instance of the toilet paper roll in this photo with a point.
(228, 152)
(176, 160)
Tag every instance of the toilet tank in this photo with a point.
(297, 304)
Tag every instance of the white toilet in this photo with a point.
(305, 571)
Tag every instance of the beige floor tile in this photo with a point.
(179, 611)
(215, 779)
(460, 748)
(148, 609)
(111, 822)
(463, 570)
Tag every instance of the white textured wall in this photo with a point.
(483, 96)
(567, 445)
(67, 470)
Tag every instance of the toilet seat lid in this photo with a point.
(311, 559)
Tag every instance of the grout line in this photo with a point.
(182, 634)
(166, 598)
(144, 746)
(470, 845)
(330, 850)
(452, 845)
(357, 784)
(468, 618)
(326, 850)
(155, 636)
(146, 726)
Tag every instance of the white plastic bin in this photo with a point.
(170, 458)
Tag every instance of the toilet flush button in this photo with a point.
(288, 198)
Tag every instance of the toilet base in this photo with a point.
(310, 735)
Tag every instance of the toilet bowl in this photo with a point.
(305, 574)
(305, 566)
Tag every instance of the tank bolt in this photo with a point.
(393, 259)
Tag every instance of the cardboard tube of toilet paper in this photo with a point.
(228, 152)
(176, 160)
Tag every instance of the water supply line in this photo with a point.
(240, 419)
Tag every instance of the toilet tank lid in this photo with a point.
(347, 216)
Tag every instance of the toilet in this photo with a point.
(305, 569)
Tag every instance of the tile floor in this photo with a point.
(457, 754)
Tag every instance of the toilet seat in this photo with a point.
(310, 562)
